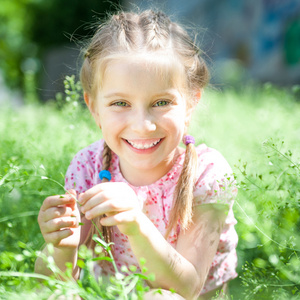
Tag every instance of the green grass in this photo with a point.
(35, 141)
(246, 126)
(249, 127)
(237, 122)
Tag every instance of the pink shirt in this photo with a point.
(214, 185)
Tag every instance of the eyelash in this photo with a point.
(167, 102)
(120, 104)
(156, 104)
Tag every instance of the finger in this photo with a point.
(107, 207)
(98, 199)
(57, 200)
(59, 223)
(120, 218)
(56, 236)
(72, 193)
(108, 221)
(84, 197)
(117, 219)
(57, 212)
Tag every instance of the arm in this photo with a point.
(186, 267)
(60, 256)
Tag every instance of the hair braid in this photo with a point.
(155, 27)
(106, 159)
(123, 27)
(106, 231)
(182, 209)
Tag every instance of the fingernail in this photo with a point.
(80, 198)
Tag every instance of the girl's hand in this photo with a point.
(117, 201)
(59, 220)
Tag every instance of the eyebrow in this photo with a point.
(111, 95)
(166, 93)
(122, 95)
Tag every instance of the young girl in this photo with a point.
(142, 77)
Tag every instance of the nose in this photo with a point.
(143, 122)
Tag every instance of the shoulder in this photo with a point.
(84, 166)
(90, 152)
(215, 179)
(212, 159)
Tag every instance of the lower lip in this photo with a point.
(144, 151)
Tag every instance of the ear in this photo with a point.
(87, 99)
(198, 95)
(88, 102)
(191, 108)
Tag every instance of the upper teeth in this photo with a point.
(143, 146)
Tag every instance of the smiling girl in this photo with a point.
(142, 77)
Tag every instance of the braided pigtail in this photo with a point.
(116, 35)
(106, 231)
(182, 209)
(155, 27)
(106, 160)
(124, 27)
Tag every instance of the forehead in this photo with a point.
(155, 69)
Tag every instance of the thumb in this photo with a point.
(73, 194)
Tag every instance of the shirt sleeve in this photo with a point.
(216, 182)
(81, 172)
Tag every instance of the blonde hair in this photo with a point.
(150, 32)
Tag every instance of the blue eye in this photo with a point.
(120, 103)
(162, 103)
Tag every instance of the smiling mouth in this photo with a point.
(143, 145)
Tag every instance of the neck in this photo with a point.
(142, 177)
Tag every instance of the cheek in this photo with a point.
(112, 125)
(95, 114)
(96, 117)
(175, 123)
(179, 118)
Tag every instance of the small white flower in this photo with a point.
(274, 259)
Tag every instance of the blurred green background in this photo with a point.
(39, 41)
(255, 124)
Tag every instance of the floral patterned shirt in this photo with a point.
(214, 185)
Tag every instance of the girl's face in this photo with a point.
(142, 117)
